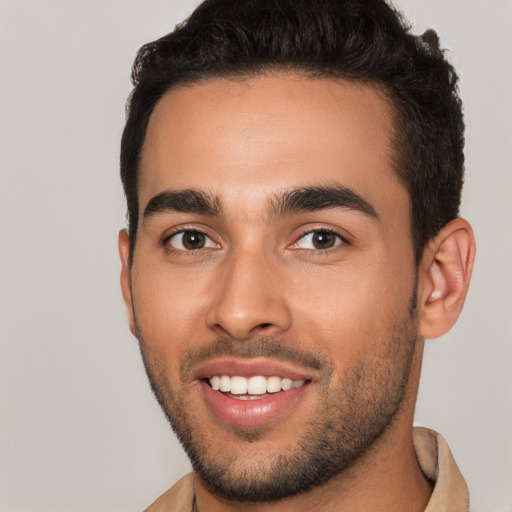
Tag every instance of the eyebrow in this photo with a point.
(304, 199)
(184, 200)
(310, 199)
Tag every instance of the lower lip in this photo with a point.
(251, 412)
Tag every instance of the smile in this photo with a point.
(251, 388)
(250, 392)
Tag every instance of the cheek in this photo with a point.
(348, 310)
(169, 309)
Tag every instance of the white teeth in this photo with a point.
(274, 384)
(238, 385)
(257, 385)
(225, 383)
(286, 384)
(215, 382)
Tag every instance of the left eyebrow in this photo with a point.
(310, 199)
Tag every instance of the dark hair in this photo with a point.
(359, 40)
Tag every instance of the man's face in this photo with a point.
(274, 250)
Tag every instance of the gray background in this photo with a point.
(79, 429)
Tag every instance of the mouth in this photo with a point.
(252, 388)
(251, 392)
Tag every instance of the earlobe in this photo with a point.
(445, 274)
(126, 280)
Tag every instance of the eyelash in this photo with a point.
(343, 241)
(182, 231)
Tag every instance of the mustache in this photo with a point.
(274, 348)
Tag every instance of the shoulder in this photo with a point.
(179, 498)
(438, 465)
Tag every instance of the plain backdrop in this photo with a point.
(79, 428)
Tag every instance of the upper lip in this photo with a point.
(249, 368)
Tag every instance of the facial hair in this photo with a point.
(349, 418)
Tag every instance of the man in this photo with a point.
(293, 172)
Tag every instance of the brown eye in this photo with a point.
(190, 241)
(319, 240)
(324, 239)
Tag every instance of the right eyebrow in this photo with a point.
(183, 200)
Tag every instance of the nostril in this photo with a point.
(265, 325)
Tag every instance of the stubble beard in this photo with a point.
(347, 422)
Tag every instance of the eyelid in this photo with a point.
(180, 230)
(344, 240)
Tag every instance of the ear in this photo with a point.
(445, 272)
(126, 278)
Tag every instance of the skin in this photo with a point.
(259, 277)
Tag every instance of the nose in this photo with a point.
(250, 299)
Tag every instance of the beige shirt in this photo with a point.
(434, 456)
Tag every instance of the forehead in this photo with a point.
(244, 139)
